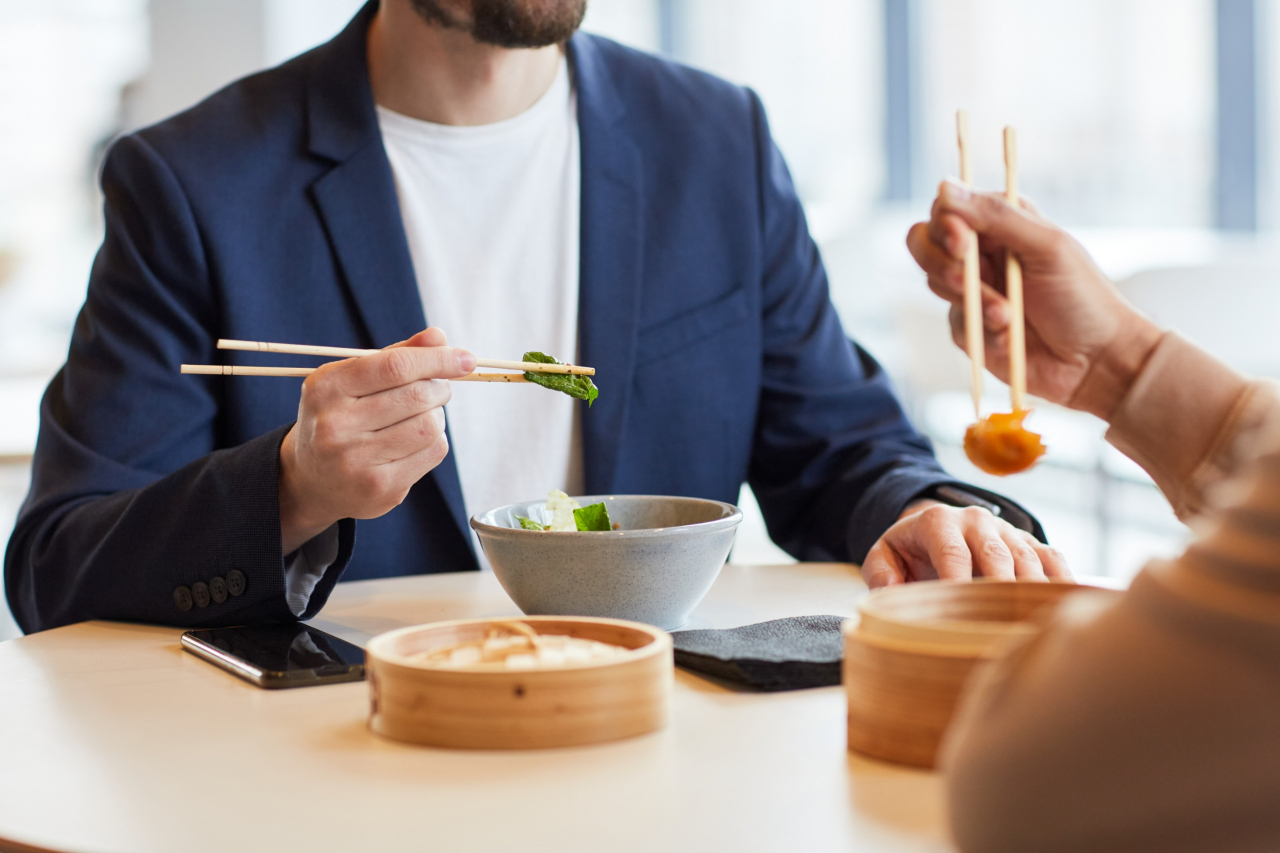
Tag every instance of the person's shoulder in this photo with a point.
(664, 87)
(256, 113)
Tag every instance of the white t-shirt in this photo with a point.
(491, 216)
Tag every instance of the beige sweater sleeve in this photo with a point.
(1188, 420)
(1148, 721)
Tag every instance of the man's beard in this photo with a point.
(510, 23)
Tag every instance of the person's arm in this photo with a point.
(1173, 408)
(138, 510)
(835, 462)
(1143, 721)
(132, 505)
(1190, 421)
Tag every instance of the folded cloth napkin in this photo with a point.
(785, 654)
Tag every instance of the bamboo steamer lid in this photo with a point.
(913, 647)
(469, 708)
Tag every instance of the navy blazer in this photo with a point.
(269, 212)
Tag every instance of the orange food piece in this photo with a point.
(998, 444)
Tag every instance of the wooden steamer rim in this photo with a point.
(570, 705)
(969, 619)
(909, 655)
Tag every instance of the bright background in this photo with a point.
(1144, 126)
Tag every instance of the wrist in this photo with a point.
(299, 523)
(1113, 372)
(918, 505)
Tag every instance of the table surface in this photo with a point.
(114, 739)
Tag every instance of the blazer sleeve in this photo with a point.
(132, 499)
(835, 460)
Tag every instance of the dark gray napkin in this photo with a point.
(785, 654)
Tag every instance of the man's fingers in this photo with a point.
(1026, 562)
(1055, 565)
(397, 366)
(991, 556)
(940, 537)
(883, 567)
(386, 408)
(408, 437)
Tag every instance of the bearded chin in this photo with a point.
(512, 23)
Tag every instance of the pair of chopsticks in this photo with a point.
(347, 352)
(973, 328)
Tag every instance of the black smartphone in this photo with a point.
(275, 656)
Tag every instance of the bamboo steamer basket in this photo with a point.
(425, 703)
(908, 656)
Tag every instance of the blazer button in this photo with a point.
(218, 589)
(200, 592)
(236, 582)
(182, 598)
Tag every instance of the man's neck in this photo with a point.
(445, 76)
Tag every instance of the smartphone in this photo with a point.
(276, 656)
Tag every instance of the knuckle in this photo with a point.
(439, 450)
(325, 432)
(419, 394)
(995, 548)
(398, 366)
(975, 514)
(374, 482)
(953, 552)
(934, 513)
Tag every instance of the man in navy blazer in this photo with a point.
(269, 212)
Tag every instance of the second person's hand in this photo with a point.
(1085, 343)
(931, 541)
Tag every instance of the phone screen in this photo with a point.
(279, 655)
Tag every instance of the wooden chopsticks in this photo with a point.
(1013, 283)
(348, 352)
(243, 370)
(973, 331)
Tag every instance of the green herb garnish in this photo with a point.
(529, 523)
(593, 517)
(580, 387)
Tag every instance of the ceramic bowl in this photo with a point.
(654, 569)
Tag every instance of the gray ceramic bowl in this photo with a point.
(655, 569)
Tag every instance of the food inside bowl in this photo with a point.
(521, 648)
(568, 515)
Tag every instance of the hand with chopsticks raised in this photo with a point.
(1084, 342)
(368, 428)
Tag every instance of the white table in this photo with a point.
(113, 739)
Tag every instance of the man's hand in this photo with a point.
(1085, 344)
(931, 541)
(368, 429)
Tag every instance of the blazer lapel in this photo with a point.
(611, 262)
(357, 202)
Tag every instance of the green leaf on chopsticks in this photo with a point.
(574, 385)
(529, 523)
(593, 517)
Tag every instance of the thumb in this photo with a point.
(992, 216)
(883, 567)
